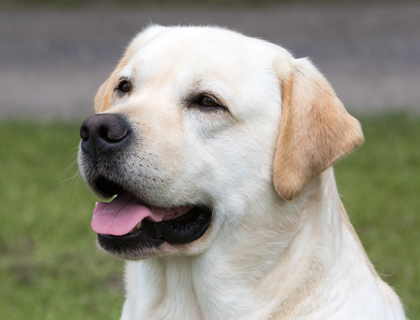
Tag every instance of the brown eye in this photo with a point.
(124, 87)
(208, 102)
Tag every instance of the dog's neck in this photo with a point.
(290, 252)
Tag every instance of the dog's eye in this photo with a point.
(124, 86)
(208, 102)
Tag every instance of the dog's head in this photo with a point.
(199, 127)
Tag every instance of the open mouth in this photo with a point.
(127, 223)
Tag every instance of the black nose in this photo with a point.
(102, 133)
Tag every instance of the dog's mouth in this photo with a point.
(128, 223)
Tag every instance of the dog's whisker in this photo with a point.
(76, 175)
(75, 188)
(68, 167)
(68, 179)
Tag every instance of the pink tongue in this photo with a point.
(121, 215)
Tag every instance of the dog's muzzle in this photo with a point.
(128, 224)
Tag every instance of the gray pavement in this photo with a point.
(52, 62)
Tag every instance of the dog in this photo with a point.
(219, 148)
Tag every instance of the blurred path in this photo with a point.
(52, 62)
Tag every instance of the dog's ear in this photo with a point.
(102, 101)
(315, 129)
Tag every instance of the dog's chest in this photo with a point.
(174, 289)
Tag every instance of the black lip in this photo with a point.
(184, 229)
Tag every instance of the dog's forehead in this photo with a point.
(188, 51)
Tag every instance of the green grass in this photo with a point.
(50, 269)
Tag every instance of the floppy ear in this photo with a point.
(102, 100)
(315, 129)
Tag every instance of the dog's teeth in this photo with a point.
(96, 203)
(138, 225)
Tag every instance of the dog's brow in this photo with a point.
(216, 88)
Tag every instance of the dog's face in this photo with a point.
(186, 133)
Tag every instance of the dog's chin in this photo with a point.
(175, 234)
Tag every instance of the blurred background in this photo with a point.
(54, 54)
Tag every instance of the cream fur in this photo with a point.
(285, 254)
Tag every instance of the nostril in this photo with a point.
(112, 133)
(84, 132)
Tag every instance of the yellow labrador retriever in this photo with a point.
(219, 148)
